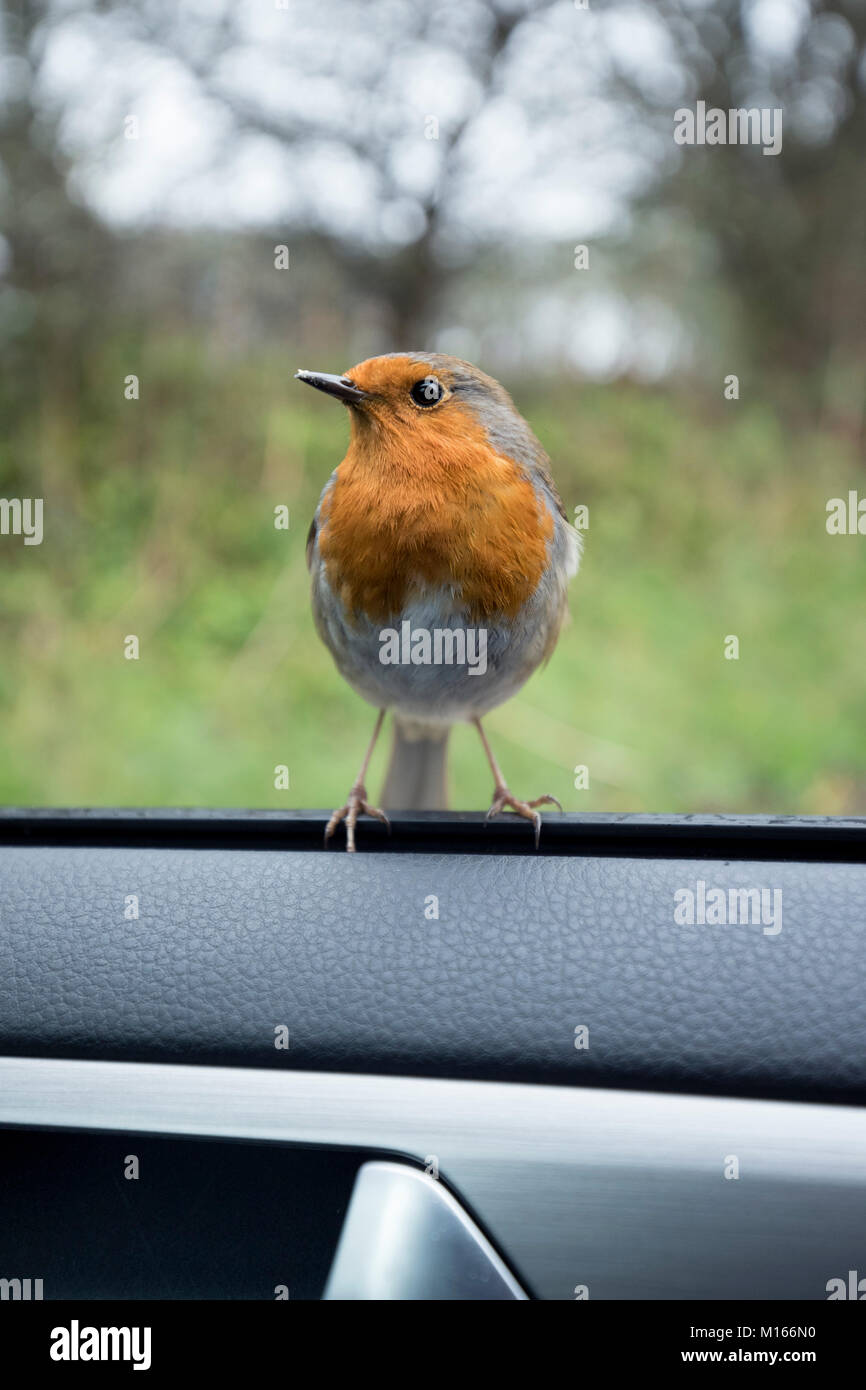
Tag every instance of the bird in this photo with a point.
(440, 555)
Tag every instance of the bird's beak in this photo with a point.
(339, 386)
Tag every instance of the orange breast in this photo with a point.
(436, 507)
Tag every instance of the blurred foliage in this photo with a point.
(159, 522)
(758, 261)
(707, 516)
(783, 238)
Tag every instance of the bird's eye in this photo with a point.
(427, 392)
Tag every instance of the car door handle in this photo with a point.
(406, 1237)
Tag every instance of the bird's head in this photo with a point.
(430, 402)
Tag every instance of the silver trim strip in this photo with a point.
(625, 1194)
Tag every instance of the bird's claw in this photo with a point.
(357, 805)
(503, 797)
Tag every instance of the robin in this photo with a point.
(440, 556)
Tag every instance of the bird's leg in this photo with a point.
(357, 804)
(503, 797)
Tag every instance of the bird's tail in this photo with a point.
(416, 779)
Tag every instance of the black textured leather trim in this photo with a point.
(231, 943)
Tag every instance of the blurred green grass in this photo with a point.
(704, 521)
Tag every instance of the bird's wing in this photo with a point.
(314, 524)
(569, 542)
(311, 541)
(545, 476)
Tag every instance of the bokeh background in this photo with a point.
(431, 170)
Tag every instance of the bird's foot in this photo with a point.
(502, 797)
(357, 805)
